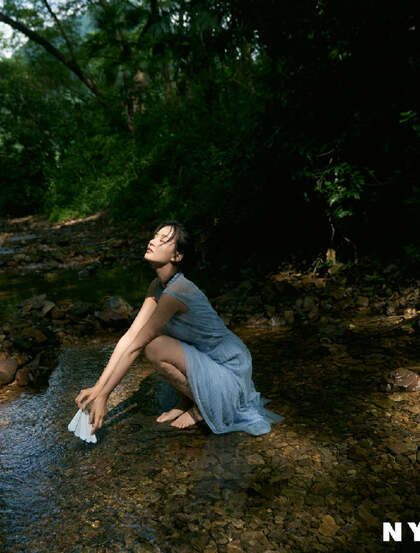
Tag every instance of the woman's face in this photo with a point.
(160, 250)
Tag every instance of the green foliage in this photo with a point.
(411, 117)
(341, 185)
(28, 138)
(244, 119)
(92, 172)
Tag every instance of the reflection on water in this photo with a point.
(22, 237)
(58, 493)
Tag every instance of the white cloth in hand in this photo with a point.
(81, 427)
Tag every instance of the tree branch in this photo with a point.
(61, 28)
(69, 63)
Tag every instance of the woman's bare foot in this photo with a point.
(180, 408)
(190, 417)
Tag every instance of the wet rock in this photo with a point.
(23, 343)
(390, 309)
(116, 311)
(255, 541)
(51, 276)
(338, 293)
(256, 320)
(328, 526)
(20, 258)
(277, 321)
(255, 459)
(378, 306)
(36, 302)
(336, 269)
(82, 308)
(8, 368)
(401, 447)
(289, 317)
(223, 301)
(403, 379)
(36, 334)
(233, 548)
(88, 270)
(409, 312)
(23, 376)
(46, 308)
(26, 375)
(57, 313)
(362, 301)
(367, 517)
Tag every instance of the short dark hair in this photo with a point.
(182, 237)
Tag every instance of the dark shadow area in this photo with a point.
(330, 392)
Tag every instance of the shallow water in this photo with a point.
(58, 493)
(22, 237)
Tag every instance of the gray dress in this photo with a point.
(218, 364)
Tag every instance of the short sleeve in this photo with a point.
(153, 289)
(181, 290)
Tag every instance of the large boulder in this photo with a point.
(116, 312)
(82, 308)
(403, 379)
(26, 375)
(8, 368)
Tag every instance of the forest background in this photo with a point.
(270, 128)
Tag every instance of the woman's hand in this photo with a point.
(86, 396)
(98, 412)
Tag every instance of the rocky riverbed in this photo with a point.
(325, 347)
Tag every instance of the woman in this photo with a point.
(191, 348)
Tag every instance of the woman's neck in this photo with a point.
(165, 274)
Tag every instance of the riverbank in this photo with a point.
(71, 261)
(325, 346)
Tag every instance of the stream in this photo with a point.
(58, 493)
(345, 459)
(125, 493)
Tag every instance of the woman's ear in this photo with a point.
(178, 257)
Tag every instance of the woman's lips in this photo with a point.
(149, 250)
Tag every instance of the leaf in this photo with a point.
(341, 213)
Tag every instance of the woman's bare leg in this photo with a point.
(167, 355)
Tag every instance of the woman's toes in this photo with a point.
(169, 415)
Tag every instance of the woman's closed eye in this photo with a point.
(162, 239)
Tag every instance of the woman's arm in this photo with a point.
(148, 307)
(146, 311)
(165, 309)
